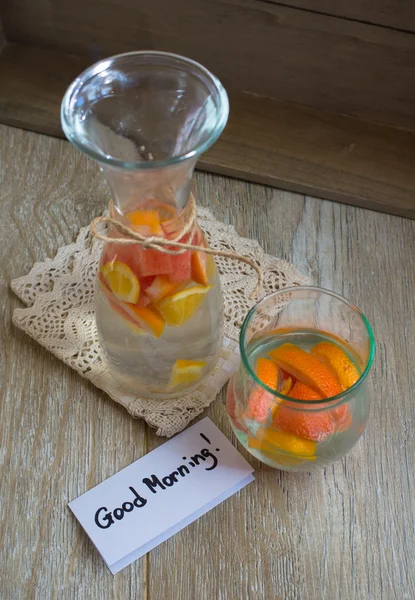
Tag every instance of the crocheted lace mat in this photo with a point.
(59, 314)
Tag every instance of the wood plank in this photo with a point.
(256, 46)
(2, 38)
(399, 14)
(317, 153)
(342, 533)
(296, 148)
(60, 435)
(32, 83)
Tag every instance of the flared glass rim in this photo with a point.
(331, 399)
(67, 110)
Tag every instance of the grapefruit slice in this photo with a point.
(306, 368)
(161, 287)
(301, 391)
(231, 406)
(260, 401)
(118, 307)
(316, 426)
(337, 360)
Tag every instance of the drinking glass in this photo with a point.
(300, 398)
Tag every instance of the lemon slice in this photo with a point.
(186, 371)
(178, 308)
(122, 281)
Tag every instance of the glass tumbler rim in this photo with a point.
(69, 98)
(310, 403)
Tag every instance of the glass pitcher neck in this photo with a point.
(135, 189)
(144, 110)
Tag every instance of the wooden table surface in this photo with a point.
(343, 533)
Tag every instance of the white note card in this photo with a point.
(143, 505)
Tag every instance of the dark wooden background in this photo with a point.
(322, 92)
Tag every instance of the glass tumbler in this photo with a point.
(300, 398)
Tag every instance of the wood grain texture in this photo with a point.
(266, 141)
(256, 46)
(345, 533)
(399, 14)
(2, 38)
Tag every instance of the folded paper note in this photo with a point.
(161, 493)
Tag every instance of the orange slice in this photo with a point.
(146, 222)
(119, 307)
(148, 319)
(313, 425)
(286, 386)
(337, 360)
(186, 371)
(181, 306)
(301, 391)
(278, 440)
(199, 268)
(267, 372)
(278, 456)
(316, 426)
(161, 287)
(306, 368)
(121, 281)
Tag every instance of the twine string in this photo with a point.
(170, 246)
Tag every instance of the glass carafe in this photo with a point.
(145, 117)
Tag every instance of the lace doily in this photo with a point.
(59, 314)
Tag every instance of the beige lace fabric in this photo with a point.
(59, 314)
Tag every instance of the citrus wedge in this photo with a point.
(312, 425)
(181, 306)
(119, 307)
(259, 404)
(199, 268)
(306, 368)
(316, 426)
(186, 371)
(286, 386)
(161, 287)
(146, 222)
(147, 318)
(267, 372)
(260, 401)
(276, 455)
(278, 440)
(122, 281)
(301, 391)
(337, 360)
